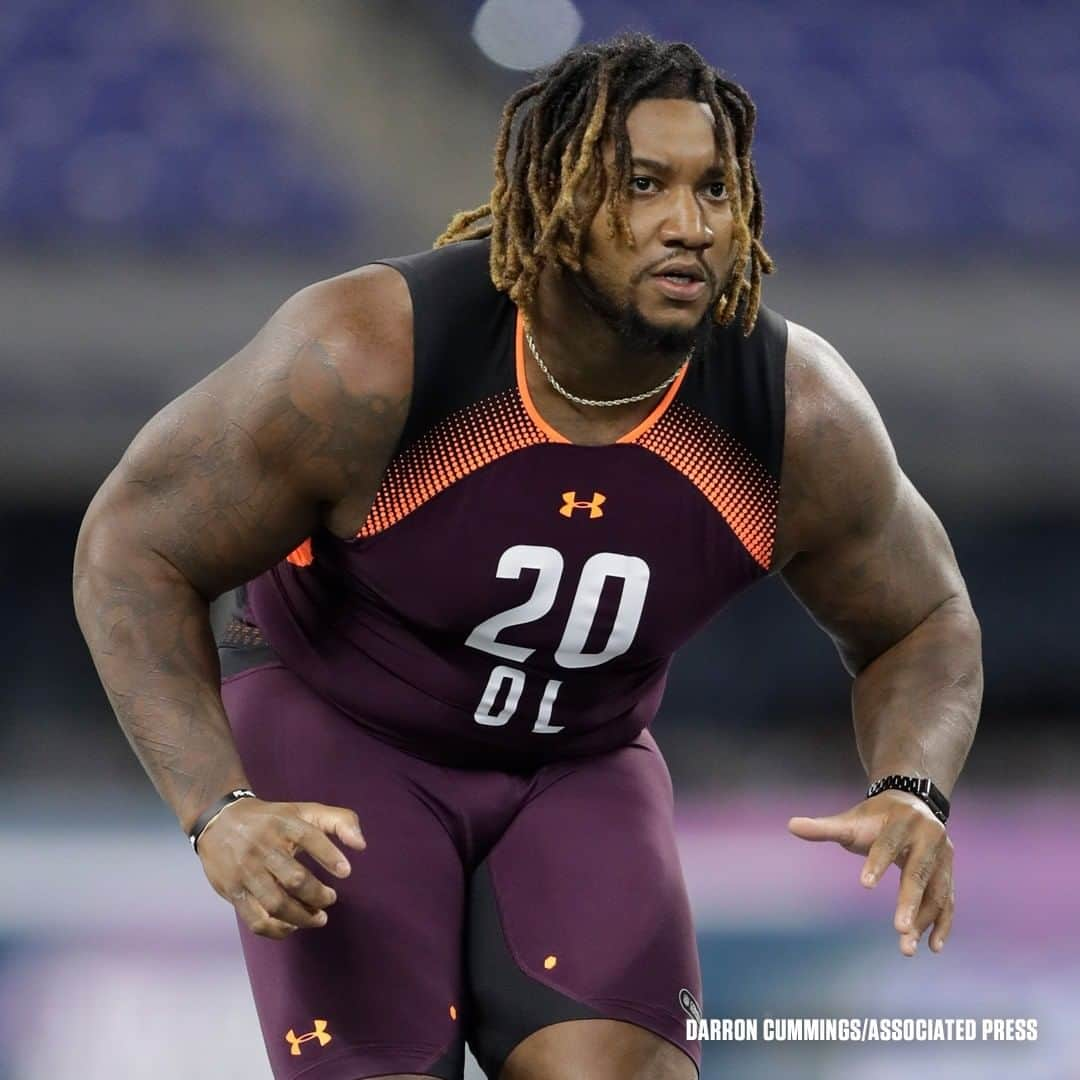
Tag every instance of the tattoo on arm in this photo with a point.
(216, 489)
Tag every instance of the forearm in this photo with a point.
(149, 633)
(916, 706)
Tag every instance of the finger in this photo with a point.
(884, 851)
(839, 828)
(919, 867)
(336, 821)
(280, 905)
(933, 902)
(325, 852)
(299, 882)
(256, 917)
(943, 924)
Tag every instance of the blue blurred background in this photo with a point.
(169, 172)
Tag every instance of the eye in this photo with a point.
(641, 183)
(718, 190)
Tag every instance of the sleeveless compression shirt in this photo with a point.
(513, 598)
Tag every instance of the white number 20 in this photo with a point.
(570, 653)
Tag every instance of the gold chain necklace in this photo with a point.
(560, 389)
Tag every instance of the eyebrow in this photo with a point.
(665, 170)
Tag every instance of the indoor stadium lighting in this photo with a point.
(526, 34)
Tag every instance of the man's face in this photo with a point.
(678, 210)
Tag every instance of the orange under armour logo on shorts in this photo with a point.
(319, 1033)
(572, 503)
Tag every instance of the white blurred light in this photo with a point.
(526, 34)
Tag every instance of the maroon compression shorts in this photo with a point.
(486, 906)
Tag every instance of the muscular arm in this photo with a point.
(295, 429)
(870, 561)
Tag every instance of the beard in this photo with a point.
(626, 319)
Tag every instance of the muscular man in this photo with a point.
(468, 503)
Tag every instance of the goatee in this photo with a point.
(628, 322)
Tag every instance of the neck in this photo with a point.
(584, 351)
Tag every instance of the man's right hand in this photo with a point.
(248, 853)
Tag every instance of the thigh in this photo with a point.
(579, 911)
(378, 990)
(598, 1049)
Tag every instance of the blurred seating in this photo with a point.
(921, 123)
(917, 125)
(118, 119)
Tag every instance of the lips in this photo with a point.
(688, 270)
(681, 282)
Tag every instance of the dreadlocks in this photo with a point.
(546, 197)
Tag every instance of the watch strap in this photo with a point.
(922, 787)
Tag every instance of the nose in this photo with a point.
(685, 225)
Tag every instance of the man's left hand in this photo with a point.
(895, 827)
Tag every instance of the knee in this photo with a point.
(597, 1050)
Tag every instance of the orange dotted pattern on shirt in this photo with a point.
(457, 446)
(303, 555)
(724, 471)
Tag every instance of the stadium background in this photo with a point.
(170, 171)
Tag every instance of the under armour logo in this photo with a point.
(319, 1033)
(572, 503)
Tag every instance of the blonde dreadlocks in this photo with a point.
(544, 200)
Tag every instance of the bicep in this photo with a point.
(861, 549)
(234, 474)
(869, 588)
(198, 489)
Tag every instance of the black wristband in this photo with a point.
(922, 787)
(212, 811)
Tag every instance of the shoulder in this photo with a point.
(822, 390)
(361, 322)
(317, 398)
(840, 475)
(343, 339)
